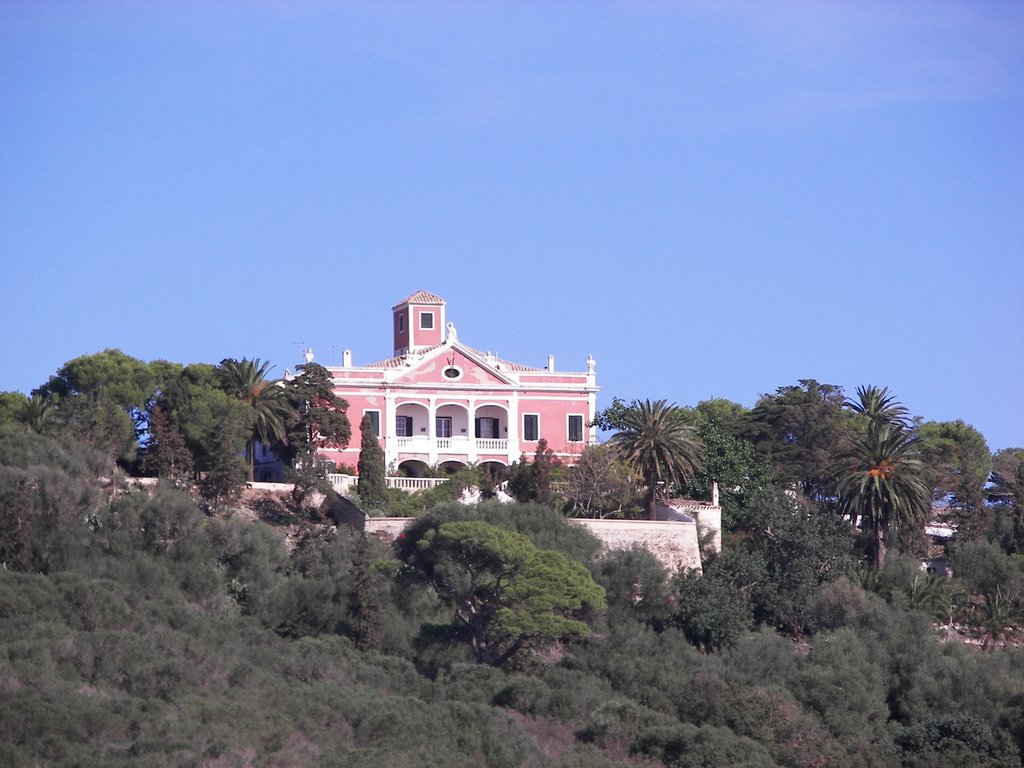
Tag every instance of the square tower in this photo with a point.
(419, 322)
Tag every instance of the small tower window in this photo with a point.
(427, 321)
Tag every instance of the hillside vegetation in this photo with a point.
(174, 626)
(138, 629)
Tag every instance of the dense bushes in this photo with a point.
(137, 630)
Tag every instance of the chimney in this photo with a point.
(551, 362)
(346, 358)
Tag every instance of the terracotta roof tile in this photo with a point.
(421, 297)
(506, 365)
(395, 362)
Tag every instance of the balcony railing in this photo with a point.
(491, 445)
(424, 444)
(343, 483)
(414, 483)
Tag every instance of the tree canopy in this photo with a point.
(801, 430)
(881, 480)
(958, 464)
(372, 478)
(141, 629)
(316, 418)
(657, 441)
(247, 380)
(507, 594)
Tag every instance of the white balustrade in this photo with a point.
(344, 483)
(487, 444)
(412, 442)
(460, 444)
(414, 483)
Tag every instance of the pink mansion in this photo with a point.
(439, 402)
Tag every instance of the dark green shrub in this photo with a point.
(619, 723)
(986, 569)
(254, 559)
(636, 584)
(841, 604)
(525, 694)
(710, 610)
(953, 741)
(472, 683)
(763, 658)
(690, 746)
(847, 687)
(574, 693)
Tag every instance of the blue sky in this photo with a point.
(715, 199)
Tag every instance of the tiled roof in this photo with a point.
(508, 365)
(395, 362)
(421, 297)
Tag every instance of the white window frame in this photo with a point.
(377, 420)
(537, 434)
(424, 326)
(438, 420)
(568, 427)
(401, 323)
(408, 425)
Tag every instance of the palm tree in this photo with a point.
(247, 380)
(882, 483)
(879, 405)
(656, 441)
(39, 414)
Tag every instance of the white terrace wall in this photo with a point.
(707, 516)
(387, 528)
(673, 538)
(673, 542)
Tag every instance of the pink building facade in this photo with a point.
(440, 403)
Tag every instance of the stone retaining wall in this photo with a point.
(673, 542)
(387, 528)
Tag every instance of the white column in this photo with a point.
(513, 428)
(387, 429)
(591, 417)
(432, 430)
(471, 430)
(592, 384)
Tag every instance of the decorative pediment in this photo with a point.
(452, 363)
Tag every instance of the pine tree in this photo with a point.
(372, 484)
(544, 462)
(169, 456)
(531, 480)
(366, 601)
